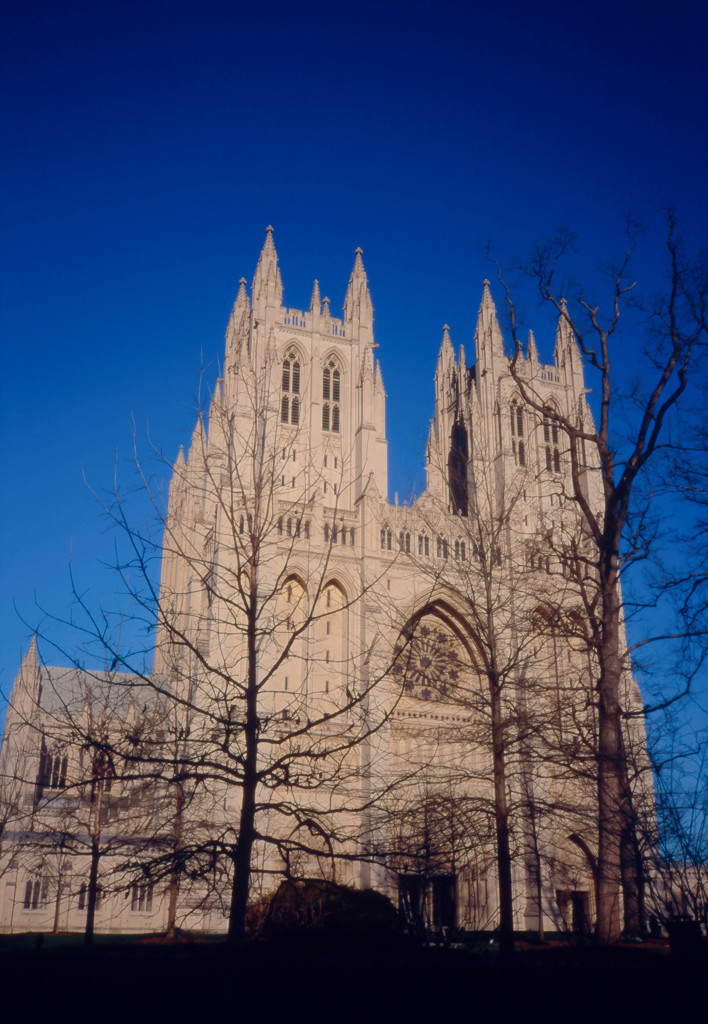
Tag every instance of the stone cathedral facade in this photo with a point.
(375, 647)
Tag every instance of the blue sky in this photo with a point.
(147, 146)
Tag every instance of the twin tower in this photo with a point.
(317, 376)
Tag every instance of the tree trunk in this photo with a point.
(57, 908)
(632, 878)
(247, 816)
(92, 893)
(171, 930)
(611, 774)
(501, 813)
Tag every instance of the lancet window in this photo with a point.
(551, 443)
(331, 392)
(290, 390)
(516, 415)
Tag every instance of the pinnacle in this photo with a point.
(267, 285)
(532, 350)
(357, 303)
(315, 300)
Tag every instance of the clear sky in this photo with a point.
(148, 144)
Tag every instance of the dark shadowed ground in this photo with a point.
(56, 981)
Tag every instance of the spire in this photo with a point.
(241, 310)
(431, 441)
(378, 377)
(488, 336)
(358, 310)
(446, 358)
(463, 364)
(315, 300)
(267, 283)
(216, 435)
(566, 344)
(197, 448)
(532, 350)
(31, 659)
(242, 302)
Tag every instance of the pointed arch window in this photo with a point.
(331, 391)
(551, 440)
(518, 444)
(290, 390)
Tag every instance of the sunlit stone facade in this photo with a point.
(403, 628)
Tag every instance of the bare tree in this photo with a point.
(677, 328)
(272, 633)
(475, 655)
(678, 840)
(95, 812)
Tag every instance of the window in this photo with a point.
(331, 398)
(517, 433)
(551, 442)
(52, 771)
(36, 893)
(141, 897)
(386, 539)
(442, 547)
(290, 390)
(423, 544)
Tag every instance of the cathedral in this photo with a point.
(397, 697)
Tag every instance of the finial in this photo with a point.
(446, 327)
(269, 229)
(564, 306)
(485, 283)
(358, 251)
(242, 280)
